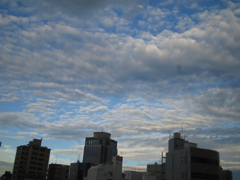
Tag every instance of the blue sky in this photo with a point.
(136, 69)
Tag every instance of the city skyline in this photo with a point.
(136, 69)
(177, 150)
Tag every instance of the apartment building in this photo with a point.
(31, 161)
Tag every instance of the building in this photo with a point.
(226, 175)
(6, 176)
(185, 160)
(99, 149)
(58, 172)
(78, 170)
(155, 172)
(136, 175)
(31, 161)
(107, 171)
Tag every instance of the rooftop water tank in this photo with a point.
(177, 135)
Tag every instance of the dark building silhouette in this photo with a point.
(31, 161)
(99, 149)
(226, 175)
(6, 176)
(58, 172)
(78, 170)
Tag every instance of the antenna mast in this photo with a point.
(169, 134)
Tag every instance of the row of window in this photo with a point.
(93, 142)
(36, 168)
(204, 161)
(36, 163)
(200, 160)
(204, 176)
(36, 153)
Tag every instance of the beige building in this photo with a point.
(31, 161)
(108, 171)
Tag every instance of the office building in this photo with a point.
(58, 172)
(31, 161)
(99, 149)
(185, 160)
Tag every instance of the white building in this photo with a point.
(108, 171)
(185, 161)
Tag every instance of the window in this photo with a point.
(204, 161)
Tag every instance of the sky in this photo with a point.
(140, 70)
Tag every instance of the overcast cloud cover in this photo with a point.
(136, 69)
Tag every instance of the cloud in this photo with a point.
(5, 166)
(152, 60)
(7, 154)
(20, 120)
(9, 98)
(86, 9)
(135, 70)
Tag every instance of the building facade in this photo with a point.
(58, 172)
(137, 175)
(107, 171)
(31, 161)
(155, 172)
(99, 149)
(78, 170)
(186, 161)
(226, 175)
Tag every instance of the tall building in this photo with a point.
(99, 149)
(31, 161)
(185, 160)
(58, 172)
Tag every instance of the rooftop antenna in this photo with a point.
(78, 157)
(182, 132)
(169, 134)
(56, 159)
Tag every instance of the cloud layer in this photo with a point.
(135, 69)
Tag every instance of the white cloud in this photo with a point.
(7, 154)
(132, 69)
